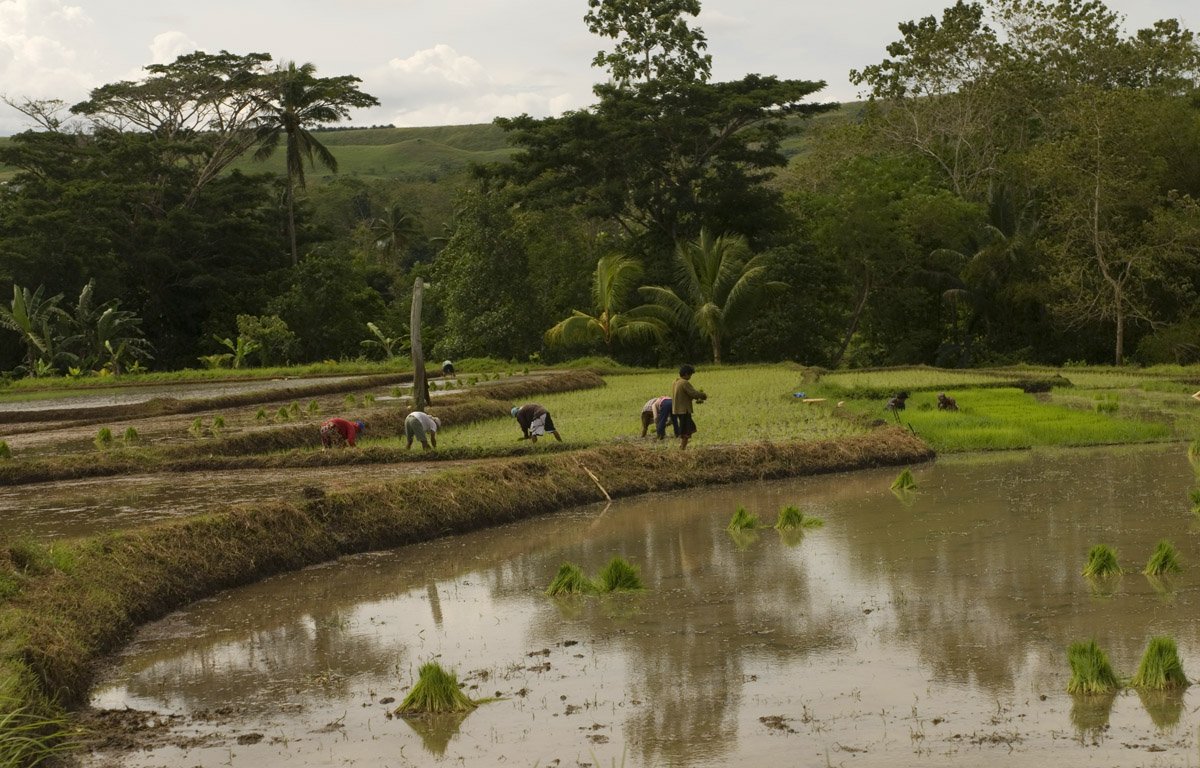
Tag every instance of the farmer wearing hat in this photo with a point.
(417, 425)
(340, 432)
(534, 421)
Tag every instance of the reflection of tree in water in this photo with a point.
(1090, 713)
(436, 730)
(1164, 707)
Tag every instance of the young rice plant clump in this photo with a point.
(131, 435)
(620, 576)
(1090, 670)
(282, 414)
(104, 437)
(436, 691)
(904, 482)
(1160, 668)
(294, 410)
(790, 518)
(1102, 561)
(743, 520)
(1164, 560)
(571, 580)
(1194, 495)
(197, 426)
(261, 415)
(5, 451)
(314, 406)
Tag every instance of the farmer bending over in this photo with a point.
(417, 425)
(340, 432)
(896, 404)
(650, 412)
(663, 417)
(534, 421)
(946, 403)
(683, 397)
(447, 368)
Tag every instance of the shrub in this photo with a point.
(1090, 670)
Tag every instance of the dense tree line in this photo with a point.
(1020, 186)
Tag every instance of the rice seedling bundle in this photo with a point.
(197, 426)
(904, 482)
(571, 580)
(1160, 668)
(436, 691)
(1090, 670)
(791, 518)
(369, 399)
(1194, 452)
(261, 415)
(1194, 495)
(104, 436)
(1164, 560)
(315, 407)
(351, 400)
(396, 392)
(131, 435)
(282, 414)
(294, 410)
(1102, 561)
(5, 451)
(742, 520)
(620, 576)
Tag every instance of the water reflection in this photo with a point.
(947, 616)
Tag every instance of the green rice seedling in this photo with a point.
(5, 451)
(472, 381)
(1160, 668)
(619, 576)
(131, 435)
(218, 423)
(104, 438)
(436, 691)
(1090, 670)
(904, 482)
(1164, 560)
(742, 520)
(1194, 452)
(261, 415)
(571, 580)
(351, 400)
(790, 518)
(282, 414)
(524, 371)
(369, 399)
(396, 392)
(1102, 561)
(1194, 496)
(27, 738)
(197, 426)
(294, 410)
(314, 407)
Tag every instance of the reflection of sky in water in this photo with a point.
(924, 632)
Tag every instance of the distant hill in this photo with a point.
(430, 154)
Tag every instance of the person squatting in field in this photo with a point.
(534, 421)
(683, 397)
(946, 403)
(422, 427)
(339, 432)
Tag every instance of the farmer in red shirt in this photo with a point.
(340, 432)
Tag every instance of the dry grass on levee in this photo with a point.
(745, 404)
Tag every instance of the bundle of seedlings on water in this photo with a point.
(904, 482)
(436, 691)
(368, 399)
(282, 414)
(1090, 670)
(131, 435)
(396, 392)
(791, 518)
(197, 426)
(742, 520)
(261, 415)
(620, 576)
(294, 410)
(1102, 561)
(571, 581)
(1164, 560)
(1194, 495)
(314, 406)
(1194, 452)
(104, 438)
(217, 425)
(1160, 668)
(351, 400)
(5, 451)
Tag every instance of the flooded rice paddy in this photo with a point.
(128, 395)
(921, 630)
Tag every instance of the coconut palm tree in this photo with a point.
(718, 287)
(615, 276)
(394, 231)
(34, 318)
(297, 101)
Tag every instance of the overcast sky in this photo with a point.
(445, 62)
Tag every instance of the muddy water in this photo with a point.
(925, 630)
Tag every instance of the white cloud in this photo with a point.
(37, 58)
(168, 46)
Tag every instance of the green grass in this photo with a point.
(436, 691)
(1165, 560)
(742, 520)
(1102, 561)
(619, 576)
(27, 739)
(1160, 668)
(791, 518)
(571, 580)
(1090, 670)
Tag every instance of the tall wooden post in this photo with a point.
(420, 397)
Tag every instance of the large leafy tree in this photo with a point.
(653, 39)
(719, 286)
(614, 279)
(296, 101)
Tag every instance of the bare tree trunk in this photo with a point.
(292, 220)
(1120, 331)
(858, 310)
(420, 393)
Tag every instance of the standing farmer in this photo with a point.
(340, 432)
(534, 421)
(683, 398)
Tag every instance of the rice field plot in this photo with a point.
(745, 404)
(856, 384)
(1000, 419)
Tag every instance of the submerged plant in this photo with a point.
(790, 517)
(314, 406)
(5, 451)
(261, 415)
(1164, 560)
(620, 576)
(1102, 561)
(197, 426)
(1090, 670)
(1160, 668)
(904, 482)
(571, 580)
(436, 691)
(104, 438)
(742, 520)
(131, 435)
